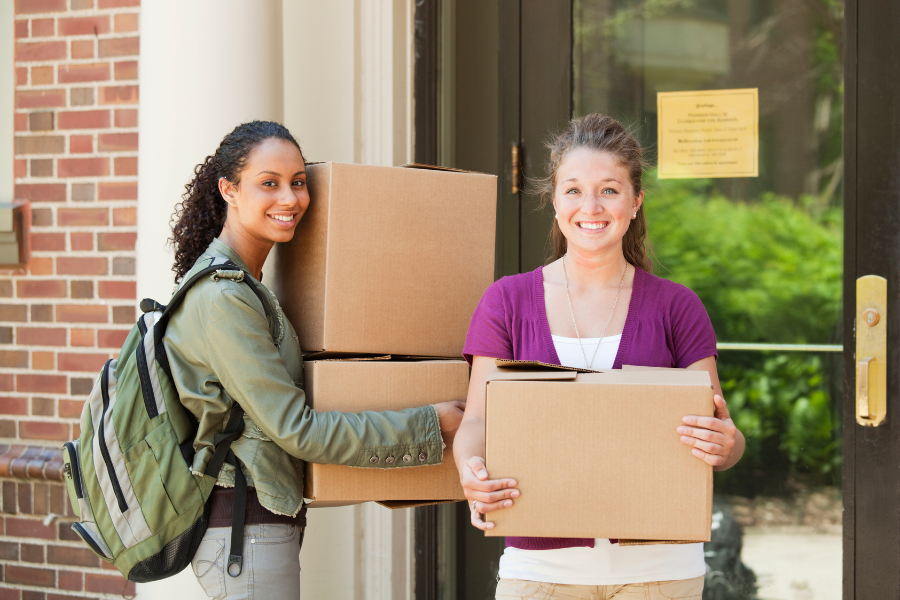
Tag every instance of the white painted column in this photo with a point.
(339, 75)
(206, 66)
(7, 99)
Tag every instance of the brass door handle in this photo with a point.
(863, 407)
(871, 350)
(516, 169)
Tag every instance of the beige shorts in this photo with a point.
(519, 589)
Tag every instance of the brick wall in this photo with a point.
(76, 147)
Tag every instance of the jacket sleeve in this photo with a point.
(250, 369)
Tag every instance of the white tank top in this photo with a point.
(605, 563)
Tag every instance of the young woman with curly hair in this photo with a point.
(594, 305)
(224, 350)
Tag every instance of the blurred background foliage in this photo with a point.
(768, 270)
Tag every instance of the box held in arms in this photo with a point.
(388, 260)
(597, 454)
(352, 385)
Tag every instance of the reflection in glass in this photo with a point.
(764, 254)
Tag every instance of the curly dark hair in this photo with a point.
(603, 134)
(200, 215)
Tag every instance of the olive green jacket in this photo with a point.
(222, 349)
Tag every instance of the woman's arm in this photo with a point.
(484, 495)
(250, 369)
(715, 440)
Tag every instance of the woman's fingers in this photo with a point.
(713, 460)
(703, 434)
(476, 463)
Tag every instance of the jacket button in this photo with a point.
(407, 458)
(374, 459)
(389, 460)
(422, 457)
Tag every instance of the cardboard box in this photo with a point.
(388, 260)
(597, 454)
(359, 385)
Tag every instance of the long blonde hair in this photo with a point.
(603, 134)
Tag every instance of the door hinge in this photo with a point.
(516, 174)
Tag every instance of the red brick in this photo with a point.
(111, 338)
(7, 384)
(126, 70)
(125, 22)
(82, 4)
(118, 142)
(130, 46)
(41, 384)
(43, 361)
(126, 166)
(42, 167)
(83, 144)
(70, 409)
(117, 289)
(118, 3)
(44, 430)
(46, 288)
(81, 240)
(81, 265)
(14, 406)
(126, 117)
(117, 191)
(123, 94)
(108, 584)
(83, 119)
(39, 144)
(20, 167)
(81, 313)
(124, 217)
(21, 77)
(82, 48)
(69, 580)
(41, 192)
(82, 337)
(76, 73)
(43, 27)
(41, 265)
(13, 312)
(81, 362)
(82, 217)
(42, 217)
(40, 98)
(108, 242)
(14, 359)
(84, 25)
(34, 51)
(41, 336)
(41, 75)
(50, 242)
(83, 167)
(29, 528)
(39, 6)
(30, 576)
(21, 28)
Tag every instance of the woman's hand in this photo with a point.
(485, 495)
(450, 415)
(713, 438)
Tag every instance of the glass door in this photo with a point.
(764, 254)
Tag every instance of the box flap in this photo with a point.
(536, 365)
(439, 168)
(501, 374)
(395, 504)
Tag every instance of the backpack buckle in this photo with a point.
(238, 562)
(231, 274)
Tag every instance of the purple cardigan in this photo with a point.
(666, 326)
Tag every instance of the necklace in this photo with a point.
(602, 335)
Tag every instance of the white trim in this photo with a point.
(7, 100)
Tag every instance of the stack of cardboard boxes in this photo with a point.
(380, 282)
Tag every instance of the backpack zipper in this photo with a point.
(73, 470)
(104, 451)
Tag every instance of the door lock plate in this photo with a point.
(871, 350)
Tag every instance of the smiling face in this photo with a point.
(270, 198)
(594, 201)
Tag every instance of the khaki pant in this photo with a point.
(519, 589)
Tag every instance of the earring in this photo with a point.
(556, 216)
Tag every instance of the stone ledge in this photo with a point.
(31, 462)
